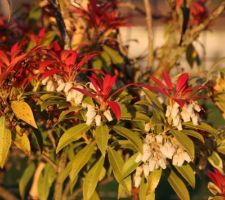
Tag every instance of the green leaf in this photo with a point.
(130, 113)
(81, 159)
(194, 134)
(22, 142)
(65, 172)
(71, 135)
(102, 137)
(45, 181)
(129, 166)
(131, 136)
(116, 163)
(202, 126)
(216, 161)
(116, 58)
(143, 190)
(188, 174)
(25, 179)
(124, 189)
(186, 142)
(178, 186)
(153, 180)
(23, 111)
(91, 179)
(95, 196)
(5, 141)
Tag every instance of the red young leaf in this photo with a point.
(116, 109)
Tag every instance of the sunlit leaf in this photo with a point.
(178, 186)
(91, 179)
(45, 181)
(216, 161)
(116, 162)
(5, 141)
(71, 135)
(186, 142)
(23, 111)
(133, 137)
(153, 180)
(188, 174)
(81, 159)
(102, 137)
(129, 166)
(25, 179)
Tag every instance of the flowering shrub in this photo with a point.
(83, 119)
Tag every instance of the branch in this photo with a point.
(170, 59)
(148, 10)
(60, 23)
(5, 194)
(59, 184)
(34, 188)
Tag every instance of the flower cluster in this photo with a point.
(157, 149)
(56, 84)
(93, 114)
(181, 100)
(176, 114)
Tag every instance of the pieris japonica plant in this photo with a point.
(77, 115)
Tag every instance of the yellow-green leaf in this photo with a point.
(116, 58)
(23, 111)
(129, 166)
(5, 141)
(102, 137)
(178, 186)
(187, 172)
(153, 180)
(216, 161)
(186, 142)
(71, 135)
(81, 159)
(24, 180)
(130, 135)
(116, 163)
(22, 142)
(91, 179)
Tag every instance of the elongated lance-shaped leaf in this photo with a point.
(5, 141)
(102, 137)
(131, 136)
(188, 174)
(186, 142)
(178, 186)
(81, 159)
(91, 179)
(71, 135)
(117, 163)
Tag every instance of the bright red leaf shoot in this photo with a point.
(179, 92)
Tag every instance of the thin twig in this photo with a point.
(59, 184)
(170, 59)
(60, 23)
(45, 157)
(148, 10)
(5, 194)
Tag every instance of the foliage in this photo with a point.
(82, 120)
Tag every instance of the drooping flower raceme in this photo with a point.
(57, 84)
(181, 100)
(157, 151)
